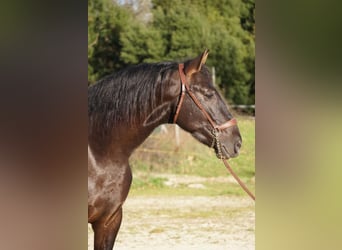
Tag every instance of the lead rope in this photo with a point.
(238, 179)
(217, 142)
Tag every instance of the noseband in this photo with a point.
(216, 129)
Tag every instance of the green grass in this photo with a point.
(159, 154)
(140, 187)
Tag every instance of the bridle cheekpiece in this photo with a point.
(216, 129)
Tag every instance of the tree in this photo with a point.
(141, 44)
(106, 21)
(183, 30)
(136, 31)
(192, 25)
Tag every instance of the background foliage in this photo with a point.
(124, 32)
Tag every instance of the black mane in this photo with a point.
(130, 93)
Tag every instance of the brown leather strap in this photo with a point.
(227, 124)
(180, 102)
(193, 97)
(185, 87)
(238, 179)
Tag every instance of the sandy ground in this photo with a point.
(186, 223)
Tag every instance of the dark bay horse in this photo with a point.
(123, 110)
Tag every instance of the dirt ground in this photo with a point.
(186, 223)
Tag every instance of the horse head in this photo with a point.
(201, 110)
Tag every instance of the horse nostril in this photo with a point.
(237, 146)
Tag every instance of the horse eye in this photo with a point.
(209, 94)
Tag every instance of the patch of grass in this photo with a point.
(156, 186)
(148, 183)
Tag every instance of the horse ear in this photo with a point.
(195, 65)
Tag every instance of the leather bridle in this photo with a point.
(216, 129)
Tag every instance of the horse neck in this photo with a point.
(125, 136)
(129, 137)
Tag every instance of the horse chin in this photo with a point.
(226, 154)
(222, 157)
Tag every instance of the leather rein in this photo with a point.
(216, 128)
